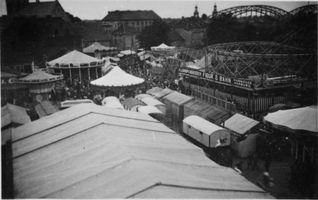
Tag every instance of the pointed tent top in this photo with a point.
(162, 46)
(117, 78)
(96, 46)
(39, 76)
(74, 57)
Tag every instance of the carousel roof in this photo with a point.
(96, 46)
(117, 78)
(74, 57)
(39, 76)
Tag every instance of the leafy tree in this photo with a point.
(154, 35)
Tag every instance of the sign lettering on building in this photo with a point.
(218, 78)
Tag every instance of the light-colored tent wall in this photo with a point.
(174, 105)
(205, 132)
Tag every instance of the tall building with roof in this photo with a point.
(42, 9)
(138, 19)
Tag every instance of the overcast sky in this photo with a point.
(97, 9)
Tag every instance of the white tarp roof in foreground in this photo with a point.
(240, 123)
(89, 151)
(305, 118)
(117, 78)
(74, 57)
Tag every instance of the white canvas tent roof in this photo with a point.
(39, 76)
(154, 90)
(178, 98)
(141, 96)
(117, 78)
(112, 102)
(305, 118)
(201, 124)
(88, 151)
(74, 57)
(127, 52)
(240, 123)
(13, 114)
(150, 101)
(162, 93)
(149, 110)
(129, 103)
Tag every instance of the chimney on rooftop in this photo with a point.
(37, 1)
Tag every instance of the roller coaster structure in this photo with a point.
(264, 10)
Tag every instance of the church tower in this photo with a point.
(196, 12)
(215, 12)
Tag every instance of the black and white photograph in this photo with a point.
(158, 99)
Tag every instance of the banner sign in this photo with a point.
(218, 78)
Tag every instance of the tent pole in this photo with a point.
(79, 73)
(70, 74)
(89, 73)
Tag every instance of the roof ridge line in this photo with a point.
(83, 130)
(51, 127)
(56, 141)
